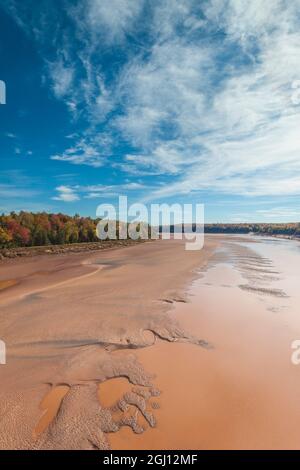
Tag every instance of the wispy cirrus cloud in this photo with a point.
(199, 91)
(271, 215)
(111, 21)
(280, 213)
(12, 191)
(233, 121)
(62, 77)
(16, 190)
(72, 193)
(83, 152)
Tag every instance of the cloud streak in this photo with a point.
(76, 192)
(66, 194)
(199, 92)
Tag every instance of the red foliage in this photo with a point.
(19, 234)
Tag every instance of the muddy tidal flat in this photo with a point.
(153, 347)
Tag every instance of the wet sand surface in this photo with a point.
(62, 323)
(50, 407)
(244, 393)
(156, 347)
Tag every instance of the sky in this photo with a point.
(165, 101)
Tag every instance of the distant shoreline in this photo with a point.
(31, 251)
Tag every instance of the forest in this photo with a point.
(287, 229)
(39, 229)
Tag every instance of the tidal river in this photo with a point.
(244, 392)
(153, 347)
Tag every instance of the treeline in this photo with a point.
(39, 229)
(291, 229)
(30, 229)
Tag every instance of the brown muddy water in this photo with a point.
(7, 283)
(110, 391)
(245, 392)
(50, 407)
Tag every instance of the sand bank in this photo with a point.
(62, 323)
(158, 348)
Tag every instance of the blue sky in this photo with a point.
(163, 101)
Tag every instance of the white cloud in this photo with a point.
(62, 76)
(271, 215)
(280, 213)
(206, 96)
(246, 21)
(169, 90)
(74, 193)
(66, 194)
(112, 19)
(83, 152)
(239, 135)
